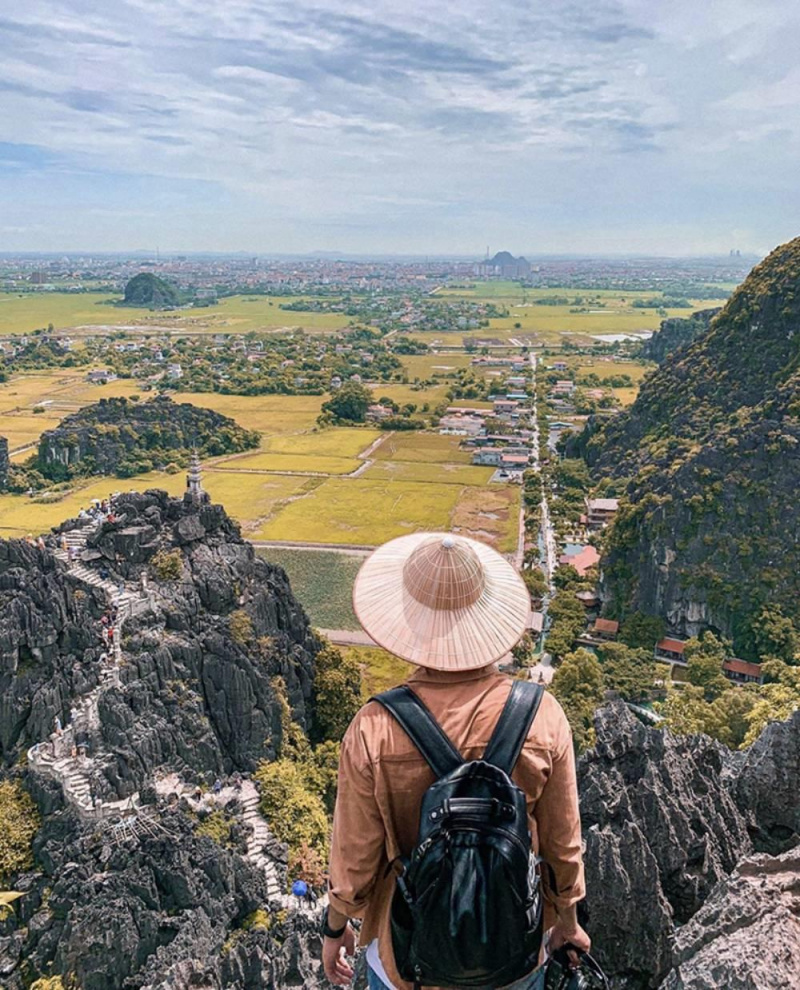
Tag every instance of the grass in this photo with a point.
(334, 442)
(490, 515)
(267, 461)
(425, 366)
(269, 414)
(447, 474)
(24, 313)
(323, 583)
(423, 447)
(380, 670)
(237, 314)
(363, 512)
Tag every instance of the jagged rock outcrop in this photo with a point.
(119, 436)
(167, 910)
(708, 457)
(747, 935)
(671, 876)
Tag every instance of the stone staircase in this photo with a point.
(259, 840)
(54, 756)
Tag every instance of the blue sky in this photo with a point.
(383, 126)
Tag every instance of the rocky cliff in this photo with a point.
(691, 850)
(676, 332)
(127, 892)
(708, 458)
(692, 867)
(120, 437)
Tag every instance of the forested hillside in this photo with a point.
(708, 459)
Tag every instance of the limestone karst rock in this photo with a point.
(691, 850)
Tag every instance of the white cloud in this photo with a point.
(334, 112)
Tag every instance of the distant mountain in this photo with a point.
(709, 459)
(149, 290)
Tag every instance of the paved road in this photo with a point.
(350, 549)
(348, 637)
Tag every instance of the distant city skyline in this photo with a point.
(270, 127)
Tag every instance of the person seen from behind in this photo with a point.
(456, 832)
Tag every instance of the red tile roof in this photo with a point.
(736, 666)
(581, 561)
(606, 625)
(672, 645)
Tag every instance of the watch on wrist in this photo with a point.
(326, 929)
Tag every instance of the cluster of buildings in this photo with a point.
(499, 437)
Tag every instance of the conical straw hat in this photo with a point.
(441, 601)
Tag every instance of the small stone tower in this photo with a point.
(195, 494)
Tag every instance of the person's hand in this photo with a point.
(334, 956)
(569, 933)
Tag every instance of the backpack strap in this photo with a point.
(421, 728)
(513, 725)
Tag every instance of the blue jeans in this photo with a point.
(374, 982)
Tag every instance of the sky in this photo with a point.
(400, 126)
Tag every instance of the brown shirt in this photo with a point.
(382, 779)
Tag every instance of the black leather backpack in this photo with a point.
(467, 910)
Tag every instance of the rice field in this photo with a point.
(304, 463)
(24, 313)
(323, 583)
(380, 670)
(426, 448)
(446, 474)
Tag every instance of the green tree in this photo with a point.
(705, 658)
(295, 814)
(349, 403)
(685, 711)
(535, 582)
(630, 673)
(775, 634)
(337, 693)
(19, 823)
(578, 686)
(775, 703)
(642, 631)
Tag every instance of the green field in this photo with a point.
(446, 474)
(380, 670)
(363, 512)
(336, 441)
(237, 314)
(323, 583)
(248, 498)
(426, 448)
(267, 461)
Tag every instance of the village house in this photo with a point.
(600, 511)
(513, 462)
(670, 651)
(100, 376)
(582, 561)
(461, 425)
(559, 366)
(505, 407)
(174, 371)
(488, 456)
(605, 628)
(465, 411)
(741, 672)
(377, 412)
